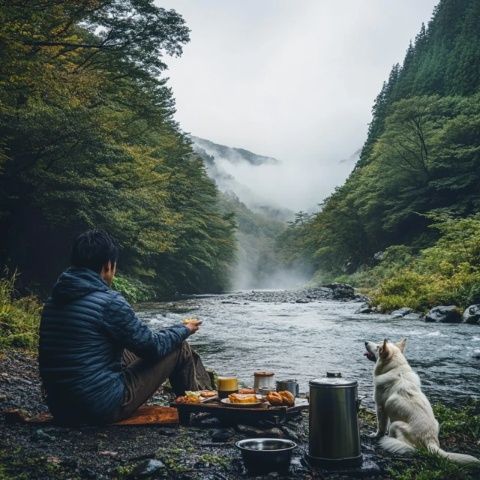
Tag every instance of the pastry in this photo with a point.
(288, 398)
(208, 393)
(250, 391)
(242, 398)
(274, 398)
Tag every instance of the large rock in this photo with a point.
(472, 314)
(341, 291)
(401, 312)
(148, 468)
(444, 314)
(364, 308)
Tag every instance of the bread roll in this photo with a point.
(274, 398)
(288, 398)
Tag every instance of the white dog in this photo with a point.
(403, 411)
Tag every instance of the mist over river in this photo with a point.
(247, 331)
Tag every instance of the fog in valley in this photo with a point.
(290, 80)
(293, 85)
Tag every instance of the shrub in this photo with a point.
(133, 290)
(446, 273)
(19, 318)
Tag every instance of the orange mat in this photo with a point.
(146, 415)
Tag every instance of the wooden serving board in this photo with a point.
(240, 415)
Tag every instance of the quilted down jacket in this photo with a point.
(84, 328)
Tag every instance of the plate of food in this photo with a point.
(242, 400)
(200, 396)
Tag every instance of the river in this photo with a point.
(244, 332)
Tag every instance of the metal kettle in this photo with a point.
(334, 437)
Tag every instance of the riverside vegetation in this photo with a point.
(405, 225)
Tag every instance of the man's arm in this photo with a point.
(130, 332)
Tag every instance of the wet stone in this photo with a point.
(401, 312)
(88, 473)
(472, 314)
(364, 308)
(42, 436)
(222, 435)
(444, 314)
(147, 469)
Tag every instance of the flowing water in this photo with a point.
(242, 333)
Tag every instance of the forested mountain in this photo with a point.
(87, 139)
(420, 163)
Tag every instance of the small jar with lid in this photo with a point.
(226, 386)
(264, 381)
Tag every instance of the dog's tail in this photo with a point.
(459, 458)
(393, 445)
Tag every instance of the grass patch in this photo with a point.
(459, 432)
(19, 318)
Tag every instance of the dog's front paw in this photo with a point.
(377, 434)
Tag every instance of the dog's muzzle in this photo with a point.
(369, 354)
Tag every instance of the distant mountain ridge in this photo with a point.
(233, 154)
(220, 160)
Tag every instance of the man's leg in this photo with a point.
(142, 378)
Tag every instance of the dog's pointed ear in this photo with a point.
(384, 349)
(402, 344)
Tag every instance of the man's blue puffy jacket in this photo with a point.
(84, 328)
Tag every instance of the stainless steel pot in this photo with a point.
(290, 385)
(334, 438)
(264, 455)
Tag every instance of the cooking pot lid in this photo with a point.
(332, 382)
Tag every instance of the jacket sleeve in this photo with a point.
(129, 332)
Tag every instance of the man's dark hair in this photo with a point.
(93, 249)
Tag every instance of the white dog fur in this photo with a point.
(404, 413)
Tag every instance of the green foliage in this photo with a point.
(88, 139)
(19, 318)
(446, 273)
(133, 290)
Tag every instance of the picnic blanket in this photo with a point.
(145, 415)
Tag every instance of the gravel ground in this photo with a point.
(203, 451)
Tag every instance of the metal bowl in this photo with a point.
(263, 455)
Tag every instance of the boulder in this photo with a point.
(222, 435)
(364, 308)
(444, 314)
(147, 469)
(401, 312)
(472, 314)
(341, 291)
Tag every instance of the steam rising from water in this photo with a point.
(279, 279)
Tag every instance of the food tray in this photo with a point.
(249, 415)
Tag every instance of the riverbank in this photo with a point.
(203, 451)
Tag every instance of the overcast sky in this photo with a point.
(292, 79)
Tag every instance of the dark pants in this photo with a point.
(183, 367)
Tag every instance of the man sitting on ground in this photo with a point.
(98, 361)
